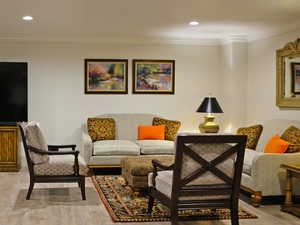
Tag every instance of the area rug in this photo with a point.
(124, 205)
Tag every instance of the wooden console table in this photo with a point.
(292, 170)
(9, 149)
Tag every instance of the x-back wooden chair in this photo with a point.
(46, 164)
(206, 174)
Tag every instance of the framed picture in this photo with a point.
(295, 78)
(106, 76)
(153, 76)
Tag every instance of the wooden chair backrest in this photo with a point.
(210, 162)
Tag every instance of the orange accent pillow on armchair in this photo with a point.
(276, 145)
(151, 132)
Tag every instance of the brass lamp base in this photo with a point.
(209, 126)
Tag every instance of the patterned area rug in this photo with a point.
(124, 205)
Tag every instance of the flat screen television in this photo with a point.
(13, 92)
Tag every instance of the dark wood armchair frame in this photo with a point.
(53, 150)
(180, 188)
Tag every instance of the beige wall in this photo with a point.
(261, 93)
(56, 83)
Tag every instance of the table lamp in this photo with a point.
(209, 105)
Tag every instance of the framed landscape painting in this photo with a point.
(153, 76)
(106, 76)
(295, 78)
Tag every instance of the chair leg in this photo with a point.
(82, 187)
(150, 204)
(174, 215)
(234, 210)
(29, 190)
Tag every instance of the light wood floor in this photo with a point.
(61, 204)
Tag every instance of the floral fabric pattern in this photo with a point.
(253, 133)
(171, 127)
(101, 129)
(292, 135)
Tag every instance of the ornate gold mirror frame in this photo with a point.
(290, 50)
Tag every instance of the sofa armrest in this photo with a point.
(266, 166)
(86, 146)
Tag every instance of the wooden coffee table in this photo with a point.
(292, 170)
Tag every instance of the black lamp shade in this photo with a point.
(210, 105)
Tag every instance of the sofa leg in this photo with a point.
(256, 198)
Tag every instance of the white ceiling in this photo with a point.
(148, 19)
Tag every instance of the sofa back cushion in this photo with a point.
(127, 124)
(273, 127)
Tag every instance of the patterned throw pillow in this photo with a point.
(292, 135)
(253, 133)
(101, 129)
(171, 129)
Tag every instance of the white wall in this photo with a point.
(261, 94)
(56, 83)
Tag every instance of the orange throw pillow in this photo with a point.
(151, 132)
(276, 145)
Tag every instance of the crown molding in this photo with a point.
(234, 39)
(135, 41)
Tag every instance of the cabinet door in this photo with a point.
(8, 148)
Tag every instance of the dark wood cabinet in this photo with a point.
(9, 149)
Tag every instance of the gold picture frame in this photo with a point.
(286, 97)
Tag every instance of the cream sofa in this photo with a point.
(109, 153)
(262, 175)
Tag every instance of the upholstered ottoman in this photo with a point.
(135, 169)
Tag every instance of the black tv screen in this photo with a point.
(13, 92)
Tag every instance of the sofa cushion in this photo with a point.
(253, 133)
(101, 128)
(292, 135)
(61, 165)
(116, 147)
(156, 147)
(172, 127)
(164, 181)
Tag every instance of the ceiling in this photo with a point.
(148, 20)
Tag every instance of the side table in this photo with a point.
(292, 170)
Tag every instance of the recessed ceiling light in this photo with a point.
(27, 18)
(193, 23)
